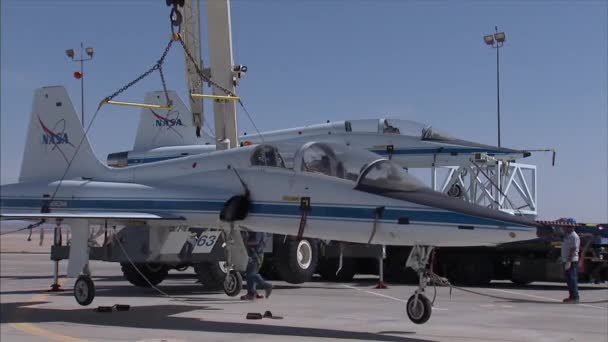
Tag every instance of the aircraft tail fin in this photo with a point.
(53, 139)
(158, 128)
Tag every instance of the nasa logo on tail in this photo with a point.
(168, 121)
(55, 136)
(171, 121)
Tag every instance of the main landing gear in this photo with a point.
(418, 306)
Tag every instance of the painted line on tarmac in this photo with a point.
(546, 298)
(31, 329)
(34, 330)
(385, 296)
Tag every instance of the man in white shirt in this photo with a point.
(570, 249)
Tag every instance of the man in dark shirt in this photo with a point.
(255, 247)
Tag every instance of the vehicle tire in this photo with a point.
(395, 269)
(328, 267)
(182, 268)
(155, 273)
(472, 271)
(418, 311)
(520, 281)
(296, 261)
(268, 270)
(233, 284)
(84, 290)
(211, 274)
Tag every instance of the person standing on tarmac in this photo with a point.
(255, 247)
(569, 255)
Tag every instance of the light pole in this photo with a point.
(496, 41)
(80, 75)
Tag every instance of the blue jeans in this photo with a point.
(571, 275)
(253, 277)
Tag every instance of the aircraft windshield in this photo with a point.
(333, 160)
(267, 155)
(396, 126)
(387, 175)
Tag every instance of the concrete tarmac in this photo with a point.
(311, 311)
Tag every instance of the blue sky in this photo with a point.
(310, 61)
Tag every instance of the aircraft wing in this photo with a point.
(120, 215)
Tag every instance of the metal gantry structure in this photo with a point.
(222, 70)
(498, 184)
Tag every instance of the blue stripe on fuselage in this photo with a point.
(438, 150)
(260, 209)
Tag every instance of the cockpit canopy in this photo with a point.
(396, 126)
(267, 155)
(386, 175)
(357, 165)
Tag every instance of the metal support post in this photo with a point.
(381, 284)
(55, 286)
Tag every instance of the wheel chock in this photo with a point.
(122, 307)
(105, 309)
(55, 288)
(254, 315)
(381, 285)
(269, 314)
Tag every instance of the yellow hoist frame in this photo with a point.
(134, 104)
(215, 97)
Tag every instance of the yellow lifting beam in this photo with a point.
(133, 104)
(215, 97)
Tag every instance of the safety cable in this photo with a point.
(156, 66)
(441, 281)
(115, 238)
(30, 226)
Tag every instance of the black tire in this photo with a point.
(181, 268)
(520, 281)
(418, 311)
(155, 273)
(473, 271)
(295, 261)
(328, 267)
(233, 284)
(211, 275)
(395, 269)
(268, 270)
(84, 290)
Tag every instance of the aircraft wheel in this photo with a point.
(84, 290)
(211, 274)
(233, 283)
(296, 260)
(155, 273)
(418, 310)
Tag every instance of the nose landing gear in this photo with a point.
(418, 306)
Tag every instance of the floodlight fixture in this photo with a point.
(489, 39)
(500, 37)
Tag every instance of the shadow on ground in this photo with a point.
(162, 317)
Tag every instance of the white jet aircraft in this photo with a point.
(332, 193)
(168, 134)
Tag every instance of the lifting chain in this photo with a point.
(200, 72)
(158, 66)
